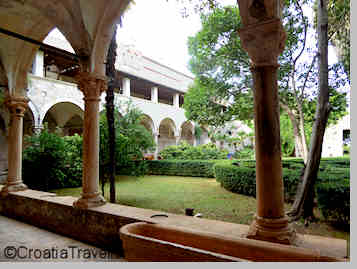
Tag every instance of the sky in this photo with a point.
(159, 31)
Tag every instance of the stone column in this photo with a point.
(17, 107)
(92, 86)
(126, 87)
(155, 95)
(39, 64)
(177, 139)
(37, 129)
(156, 139)
(264, 41)
(194, 141)
(176, 100)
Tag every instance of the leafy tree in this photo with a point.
(339, 30)
(286, 136)
(304, 201)
(217, 60)
(131, 140)
(51, 161)
(222, 89)
(185, 151)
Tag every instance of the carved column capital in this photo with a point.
(17, 105)
(263, 41)
(92, 85)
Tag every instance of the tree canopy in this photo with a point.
(222, 88)
(131, 141)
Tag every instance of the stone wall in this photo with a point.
(333, 138)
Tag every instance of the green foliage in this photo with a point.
(332, 188)
(192, 168)
(198, 131)
(339, 30)
(334, 201)
(339, 27)
(132, 140)
(217, 60)
(286, 135)
(51, 161)
(236, 179)
(247, 152)
(185, 151)
(222, 89)
(74, 164)
(201, 107)
(239, 178)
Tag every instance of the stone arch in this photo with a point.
(167, 133)
(35, 112)
(204, 138)
(48, 105)
(148, 123)
(73, 126)
(65, 115)
(17, 67)
(28, 122)
(187, 132)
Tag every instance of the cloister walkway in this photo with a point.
(20, 242)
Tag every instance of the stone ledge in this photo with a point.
(100, 226)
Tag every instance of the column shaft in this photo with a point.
(126, 87)
(176, 100)
(270, 195)
(90, 148)
(39, 64)
(92, 86)
(155, 94)
(156, 138)
(264, 41)
(17, 107)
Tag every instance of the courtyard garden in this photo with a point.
(175, 193)
(190, 177)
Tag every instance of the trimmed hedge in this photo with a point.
(236, 179)
(332, 185)
(334, 201)
(192, 168)
(241, 179)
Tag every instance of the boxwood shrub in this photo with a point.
(192, 168)
(334, 201)
(240, 176)
(241, 179)
(237, 179)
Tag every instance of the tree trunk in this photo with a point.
(305, 150)
(110, 72)
(303, 204)
(296, 129)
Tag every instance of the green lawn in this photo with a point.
(174, 194)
